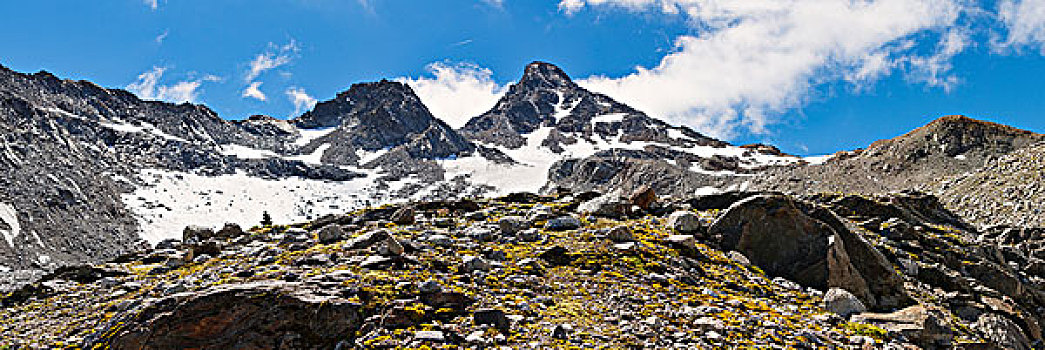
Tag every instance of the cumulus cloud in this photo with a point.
(456, 92)
(301, 100)
(149, 87)
(253, 91)
(1025, 22)
(273, 57)
(750, 61)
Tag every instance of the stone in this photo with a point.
(843, 303)
(644, 197)
(195, 233)
(1002, 331)
(430, 286)
(492, 317)
(607, 206)
(558, 256)
(430, 336)
(330, 234)
(809, 245)
(562, 331)
(684, 222)
(996, 277)
(738, 257)
(474, 263)
(563, 223)
(441, 240)
(926, 327)
(620, 233)
(529, 235)
(511, 225)
(244, 316)
(403, 216)
(230, 231)
(686, 241)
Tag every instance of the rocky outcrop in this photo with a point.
(810, 246)
(244, 316)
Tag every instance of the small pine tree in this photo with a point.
(266, 219)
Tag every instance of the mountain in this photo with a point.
(580, 140)
(72, 150)
(945, 147)
(121, 217)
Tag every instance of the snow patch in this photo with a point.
(368, 156)
(316, 157)
(308, 135)
(608, 118)
(144, 128)
(244, 152)
(169, 201)
(11, 228)
(817, 160)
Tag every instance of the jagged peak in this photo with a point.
(383, 87)
(545, 74)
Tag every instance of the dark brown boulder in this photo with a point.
(247, 316)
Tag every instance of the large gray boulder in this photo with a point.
(809, 245)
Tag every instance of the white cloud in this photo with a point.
(754, 60)
(254, 91)
(163, 36)
(1025, 22)
(148, 87)
(153, 4)
(456, 92)
(301, 100)
(495, 3)
(273, 57)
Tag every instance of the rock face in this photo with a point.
(380, 117)
(780, 237)
(249, 316)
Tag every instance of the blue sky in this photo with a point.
(809, 76)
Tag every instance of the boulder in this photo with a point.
(620, 233)
(809, 245)
(195, 233)
(644, 197)
(563, 223)
(684, 221)
(1001, 331)
(925, 327)
(492, 317)
(246, 316)
(330, 234)
(609, 206)
(403, 216)
(843, 303)
(510, 225)
(230, 231)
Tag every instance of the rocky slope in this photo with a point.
(946, 147)
(533, 271)
(1008, 190)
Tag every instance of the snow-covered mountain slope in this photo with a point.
(125, 169)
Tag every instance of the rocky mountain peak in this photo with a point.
(955, 135)
(545, 75)
(393, 99)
